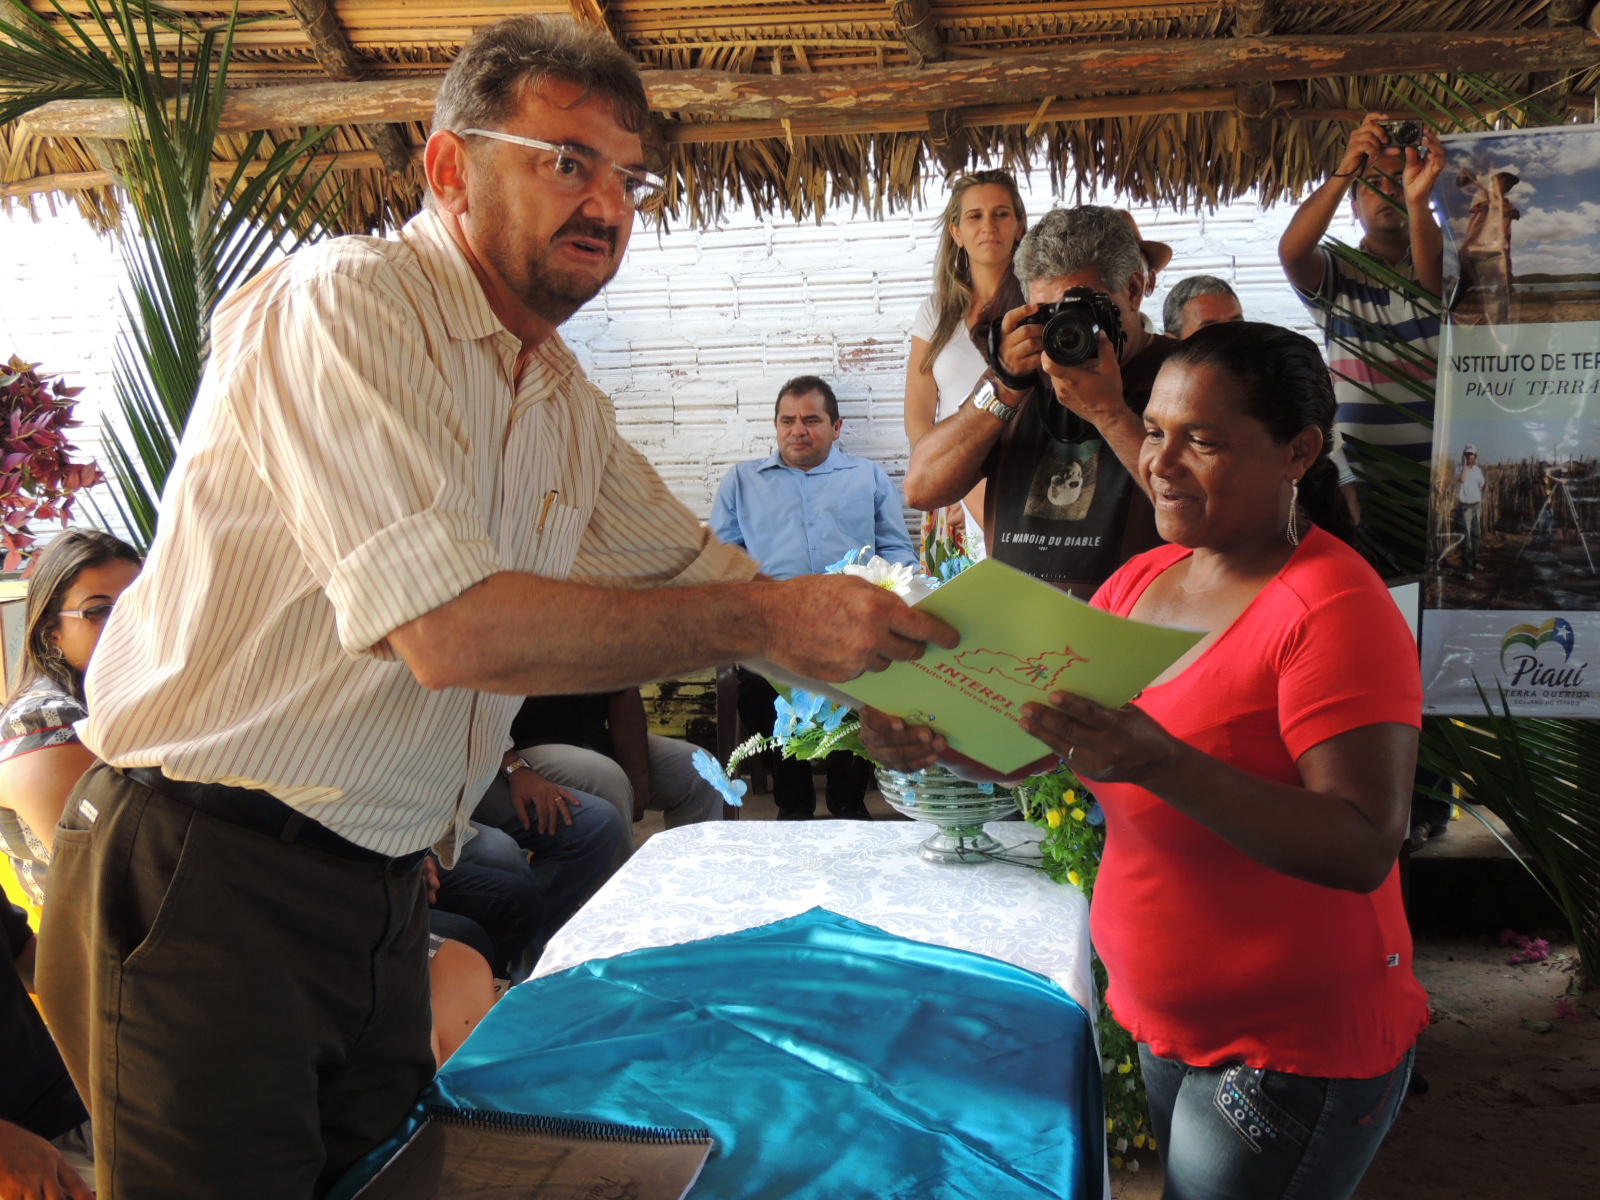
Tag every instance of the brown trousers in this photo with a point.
(244, 1018)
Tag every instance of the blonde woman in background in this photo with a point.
(972, 286)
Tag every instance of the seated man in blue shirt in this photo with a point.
(798, 511)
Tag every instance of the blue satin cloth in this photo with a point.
(828, 1059)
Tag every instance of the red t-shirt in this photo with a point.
(1212, 957)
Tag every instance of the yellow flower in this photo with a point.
(1152, 1140)
(1078, 814)
(1053, 818)
(1110, 1124)
(1124, 1068)
(1074, 879)
(1138, 1140)
(1116, 1162)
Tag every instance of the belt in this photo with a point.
(262, 812)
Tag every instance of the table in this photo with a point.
(702, 880)
(808, 993)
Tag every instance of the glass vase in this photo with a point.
(957, 807)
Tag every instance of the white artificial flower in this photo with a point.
(894, 577)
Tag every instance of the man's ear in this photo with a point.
(1136, 290)
(444, 161)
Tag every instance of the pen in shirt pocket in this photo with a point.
(544, 509)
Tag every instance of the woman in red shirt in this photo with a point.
(1256, 795)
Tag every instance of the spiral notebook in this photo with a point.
(469, 1154)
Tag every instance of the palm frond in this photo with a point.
(1542, 778)
(192, 240)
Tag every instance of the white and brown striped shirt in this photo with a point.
(361, 453)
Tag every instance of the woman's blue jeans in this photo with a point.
(1241, 1133)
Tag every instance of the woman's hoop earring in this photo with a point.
(1294, 507)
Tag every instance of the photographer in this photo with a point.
(1388, 170)
(1056, 440)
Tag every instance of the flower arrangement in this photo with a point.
(38, 478)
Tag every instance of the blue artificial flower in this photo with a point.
(854, 558)
(953, 566)
(1096, 815)
(986, 788)
(711, 771)
(795, 713)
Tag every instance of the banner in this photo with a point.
(1514, 579)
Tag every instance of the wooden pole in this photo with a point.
(337, 56)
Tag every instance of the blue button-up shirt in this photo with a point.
(798, 522)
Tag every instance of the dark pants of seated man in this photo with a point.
(792, 787)
(568, 866)
(245, 1016)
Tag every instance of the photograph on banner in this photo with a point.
(1514, 580)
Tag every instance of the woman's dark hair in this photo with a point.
(55, 570)
(1283, 382)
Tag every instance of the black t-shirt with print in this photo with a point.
(1060, 505)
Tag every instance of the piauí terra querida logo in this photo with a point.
(1524, 655)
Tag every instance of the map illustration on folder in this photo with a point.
(1020, 640)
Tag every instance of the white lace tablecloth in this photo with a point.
(720, 877)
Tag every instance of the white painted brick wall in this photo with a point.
(697, 332)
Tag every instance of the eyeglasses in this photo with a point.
(576, 170)
(95, 614)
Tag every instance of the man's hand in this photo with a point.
(430, 879)
(1421, 170)
(538, 801)
(32, 1169)
(1366, 146)
(1093, 390)
(1021, 346)
(897, 745)
(835, 627)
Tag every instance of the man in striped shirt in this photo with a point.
(1363, 317)
(399, 508)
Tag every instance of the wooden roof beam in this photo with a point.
(337, 56)
(1070, 71)
(1563, 14)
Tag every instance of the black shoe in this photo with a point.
(852, 814)
(794, 816)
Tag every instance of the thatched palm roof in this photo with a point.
(800, 105)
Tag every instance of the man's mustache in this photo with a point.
(587, 227)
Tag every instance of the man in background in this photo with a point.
(798, 511)
(1198, 301)
(1379, 339)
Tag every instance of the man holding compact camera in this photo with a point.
(1388, 170)
(1054, 428)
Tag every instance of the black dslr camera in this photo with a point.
(1402, 133)
(1073, 324)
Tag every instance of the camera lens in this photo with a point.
(1070, 338)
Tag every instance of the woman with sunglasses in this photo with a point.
(75, 584)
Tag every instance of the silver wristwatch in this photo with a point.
(987, 397)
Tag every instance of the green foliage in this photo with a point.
(1073, 843)
(1542, 778)
(191, 239)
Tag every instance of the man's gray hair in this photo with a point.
(501, 62)
(1069, 240)
(1186, 290)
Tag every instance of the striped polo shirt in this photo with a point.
(1355, 310)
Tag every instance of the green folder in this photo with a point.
(1020, 640)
